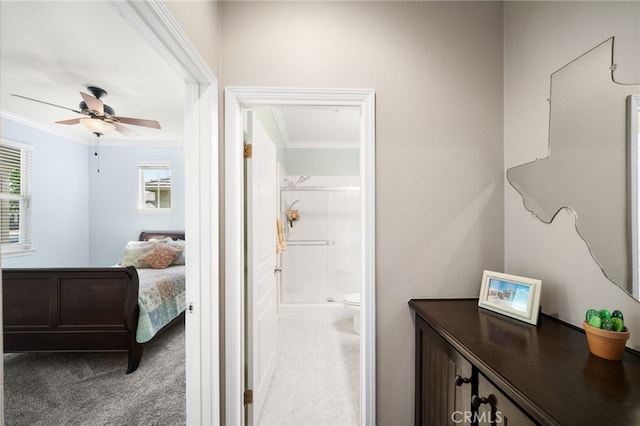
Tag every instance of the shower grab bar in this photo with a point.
(303, 243)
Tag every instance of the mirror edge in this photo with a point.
(633, 109)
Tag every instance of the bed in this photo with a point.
(117, 308)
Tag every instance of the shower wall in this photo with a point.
(322, 259)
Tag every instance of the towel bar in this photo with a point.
(311, 242)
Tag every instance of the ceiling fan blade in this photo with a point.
(93, 104)
(139, 122)
(124, 130)
(71, 121)
(46, 103)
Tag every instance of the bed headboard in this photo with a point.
(160, 235)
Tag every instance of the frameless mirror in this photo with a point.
(585, 170)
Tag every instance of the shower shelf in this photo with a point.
(311, 242)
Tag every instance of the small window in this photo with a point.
(15, 197)
(155, 186)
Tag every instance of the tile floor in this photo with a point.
(316, 380)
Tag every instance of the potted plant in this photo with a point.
(606, 333)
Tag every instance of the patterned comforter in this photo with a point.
(161, 299)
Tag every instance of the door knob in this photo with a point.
(460, 380)
(476, 401)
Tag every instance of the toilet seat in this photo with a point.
(351, 303)
(352, 299)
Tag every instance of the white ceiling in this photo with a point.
(53, 50)
(319, 127)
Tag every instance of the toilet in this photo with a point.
(352, 303)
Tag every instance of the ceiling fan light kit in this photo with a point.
(97, 126)
(101, 119)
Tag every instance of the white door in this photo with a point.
(260, 307)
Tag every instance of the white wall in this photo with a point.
(540, 38)
(60, 192)
(113, 213)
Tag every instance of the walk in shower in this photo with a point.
(321, 263)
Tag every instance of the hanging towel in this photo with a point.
(281, 242)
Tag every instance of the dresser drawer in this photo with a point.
(494, 408)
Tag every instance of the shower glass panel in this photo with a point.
(321, 262)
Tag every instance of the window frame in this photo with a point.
(24, 245)
(153, 165)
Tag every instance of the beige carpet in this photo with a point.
(316, 381)
(92, 389)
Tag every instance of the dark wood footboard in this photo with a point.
(71, 309)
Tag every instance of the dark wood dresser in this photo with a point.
(475, 366)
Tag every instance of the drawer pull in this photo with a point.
(460, 380)
(476, 401)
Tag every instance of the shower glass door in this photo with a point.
(321, 262)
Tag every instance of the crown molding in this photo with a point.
(46, 128)
(54, 131)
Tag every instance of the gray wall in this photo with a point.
(439, 184)
(541, 37)
(200, 20)
(437, 69)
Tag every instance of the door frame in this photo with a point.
(235, 100)
(153, 21)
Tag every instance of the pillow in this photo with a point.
(134, 250)
(179, 244)
(161, 256)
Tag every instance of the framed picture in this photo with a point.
(510, 295)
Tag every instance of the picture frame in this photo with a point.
(511, 295)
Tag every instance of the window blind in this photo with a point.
(15, 196)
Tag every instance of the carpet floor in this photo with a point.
(92, 389)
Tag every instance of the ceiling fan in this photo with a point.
(100, 118)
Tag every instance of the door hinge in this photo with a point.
(248, 396)
(247, 150)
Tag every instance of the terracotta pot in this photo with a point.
(606, 344)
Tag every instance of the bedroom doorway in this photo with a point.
(154, 23)
(238, 100)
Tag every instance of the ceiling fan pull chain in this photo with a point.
(97, 151)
